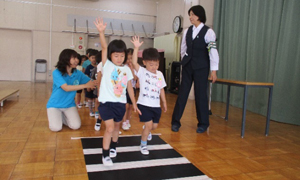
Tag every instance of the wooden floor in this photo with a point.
(29, 150)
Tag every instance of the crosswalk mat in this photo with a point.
(163, 162)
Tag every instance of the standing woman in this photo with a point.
(199, 54)
(61, 107)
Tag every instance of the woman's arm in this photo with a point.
(183, 46)
(101, 28)
(91, 84)
(210, 38)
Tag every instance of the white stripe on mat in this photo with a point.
(119, 136)
(202, 177)
(137, 164)
(127, 149)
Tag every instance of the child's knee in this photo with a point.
(109, 129)
(154, 126)
(148, 126)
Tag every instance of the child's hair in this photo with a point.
(129, 51)
(93, 52)
(150, 54)
(200, 12)
(116, 46)
(99, 57)
(64, 60)
(88, 51)
(79, 58)
(84, 56)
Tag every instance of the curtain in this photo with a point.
(259, 41)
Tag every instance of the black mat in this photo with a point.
(163, 162)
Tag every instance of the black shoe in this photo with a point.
(175, 128)
(201, 130)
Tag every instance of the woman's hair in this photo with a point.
(64, 60)
(200, 12)
(151, 54)
(129, 51)
(116, 46)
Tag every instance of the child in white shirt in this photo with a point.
(152, 85)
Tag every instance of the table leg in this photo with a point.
(244, 111)
(227, 102)
(269, 110)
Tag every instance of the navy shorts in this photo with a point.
(79, 91)
(128, 97)
(112, 110)
(149, 113)
(90, 94)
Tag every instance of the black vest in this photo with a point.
(196, 49)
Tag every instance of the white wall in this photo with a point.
(46, 19)
(17, 45)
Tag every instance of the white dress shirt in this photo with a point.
(210, 36)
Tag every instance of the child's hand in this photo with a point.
(165, 106)
(135, 108)
(100, 25)
(136, 41)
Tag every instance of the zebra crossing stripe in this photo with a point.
(137, 164)
(202, 177)
(127, 149)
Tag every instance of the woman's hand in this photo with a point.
(213, 76)
(91, 84)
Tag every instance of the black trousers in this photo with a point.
(200, 79)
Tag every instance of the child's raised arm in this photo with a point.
(101, 28)
(136, 42)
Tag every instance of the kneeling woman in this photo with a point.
(61, 107)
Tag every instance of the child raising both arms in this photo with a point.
(152, 85)
(112, 94)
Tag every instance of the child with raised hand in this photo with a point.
(152, 85)
(126, 119)
(112, 94)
